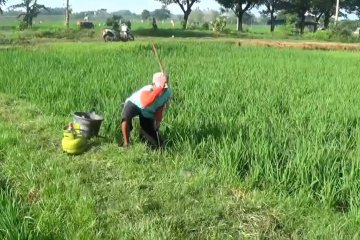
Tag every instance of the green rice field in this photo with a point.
(261, 143)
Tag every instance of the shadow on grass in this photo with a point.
(7, 28)
(144, 32)
(196, 135)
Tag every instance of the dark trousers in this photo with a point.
(147, 131)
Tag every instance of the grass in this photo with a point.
(261, 143)
(108, 193)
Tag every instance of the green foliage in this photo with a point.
(322, 35)
(183, 3)
(145, 15)
(22, 25)
(239, 7)
(114, 21)
(197, 26)
(219, 24)
(186, 8)
(32, 10)
(56, 11)
(161, 14)
(290, 27)
(346, 24)
(183, 23)
(193, 25)
(205, 26)
(196, 16)
(2, 2)
(343, 31)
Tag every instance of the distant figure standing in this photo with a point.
(86, 18)
(172, 23)
(154, 24)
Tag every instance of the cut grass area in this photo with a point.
(310, 45)
(107, 193)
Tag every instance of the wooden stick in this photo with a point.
(157, 57)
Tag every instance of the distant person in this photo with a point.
(124, 27)
(86, 18)
(173, 23)
(155, 27)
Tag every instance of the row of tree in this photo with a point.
(319, 8)
(31, 7)
(160, 14)
(27, 10)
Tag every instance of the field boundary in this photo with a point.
(300, 44)
(297, 44)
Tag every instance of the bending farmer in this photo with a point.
(148, 103)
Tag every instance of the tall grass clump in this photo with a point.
(14, 224)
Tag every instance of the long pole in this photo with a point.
(162, 70)
(67, 14)
(337, 11)
(158, 58)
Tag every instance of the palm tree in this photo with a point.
(32, 10)
(2, 2)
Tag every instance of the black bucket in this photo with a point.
(89, 122)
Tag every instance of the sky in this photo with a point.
(136, 6)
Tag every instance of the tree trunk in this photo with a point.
(302, 22)
(27, 16)
(272, 19)
(67, 15)
(240, 21)
(30, 22)
(186, 17)
(327, 19)
(317, 19)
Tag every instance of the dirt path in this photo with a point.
(300, 44)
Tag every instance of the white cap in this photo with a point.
(159, 78)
